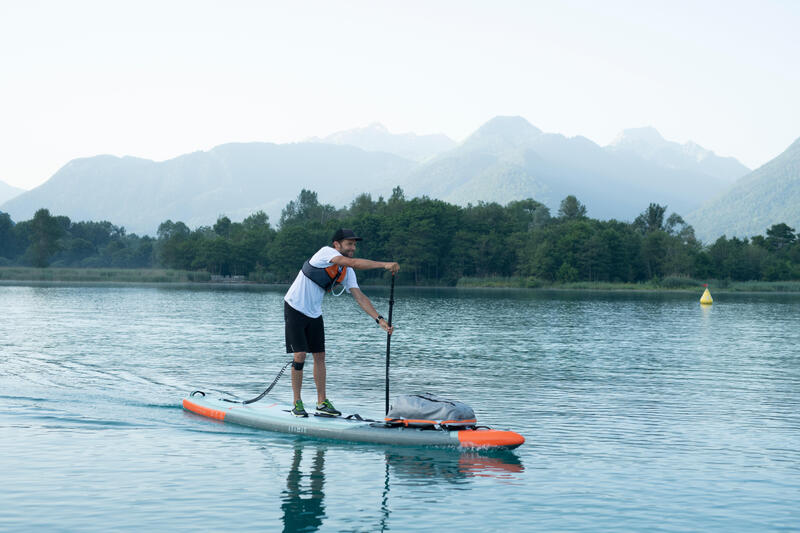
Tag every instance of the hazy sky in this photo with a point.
(162, 78)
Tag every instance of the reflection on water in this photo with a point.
(303, 500)
(449, 466)
(303, 506)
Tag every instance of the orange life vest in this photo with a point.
(325, 277)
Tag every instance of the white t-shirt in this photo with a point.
(306, 296)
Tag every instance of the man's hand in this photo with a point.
(392, 267)
(385, 325)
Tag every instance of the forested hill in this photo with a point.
(435, 242)
(769, 195)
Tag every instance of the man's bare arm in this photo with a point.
(368, 308)
(365, 264)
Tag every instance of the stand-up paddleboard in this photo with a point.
(276, 417)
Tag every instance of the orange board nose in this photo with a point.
(205, 411)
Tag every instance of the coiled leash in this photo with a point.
(274, 382)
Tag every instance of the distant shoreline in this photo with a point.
(175, 278)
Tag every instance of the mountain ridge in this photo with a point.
(234, 179)
(507, 158)
(377, 138)
(648, 143)
(7, 192)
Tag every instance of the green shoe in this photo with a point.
(327, 408)
(298, 410)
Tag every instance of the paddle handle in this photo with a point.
(389, 343)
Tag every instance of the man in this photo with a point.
(302, 310)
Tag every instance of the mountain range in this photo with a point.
(508, 158)
(232, 179)
(505, 159)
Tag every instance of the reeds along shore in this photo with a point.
(155, 275)
(121, 275)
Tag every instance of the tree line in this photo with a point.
(434, 241)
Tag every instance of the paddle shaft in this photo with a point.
(389, 343)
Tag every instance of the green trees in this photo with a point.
(306, 210)
(571, 209)
(583, 250)
(652, 219)
(436, 243)
(783, 262)
(174, 249)
(98, 244)
(780, 236)
(669, 246)
(253, 243)
(292, 246)
(734, 259)
(8, 240)
(43, 232)
(48, 240)
(420, 235)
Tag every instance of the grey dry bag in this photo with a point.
(424, 410)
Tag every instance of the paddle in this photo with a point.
(389, 342)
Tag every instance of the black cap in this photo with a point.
(342, 234)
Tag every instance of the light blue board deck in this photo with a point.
(276, 417)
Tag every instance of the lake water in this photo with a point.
(641, 412)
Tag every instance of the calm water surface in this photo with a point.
(641, 412)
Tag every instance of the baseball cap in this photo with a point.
(342, 234)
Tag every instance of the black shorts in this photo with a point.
(303, 333)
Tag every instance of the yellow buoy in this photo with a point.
(706, 299)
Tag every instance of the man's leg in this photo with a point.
(297, 375)
(323, 404)
(319, 375)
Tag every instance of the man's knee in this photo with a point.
(299, 361)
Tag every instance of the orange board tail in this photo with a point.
(490, 438)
